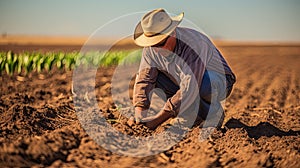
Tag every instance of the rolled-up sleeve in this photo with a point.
(144, 83)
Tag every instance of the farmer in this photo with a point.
(185, 65)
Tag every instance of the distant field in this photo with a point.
(41, 40)
(18, 43)
(55, 43)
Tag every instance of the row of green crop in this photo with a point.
(27, 62)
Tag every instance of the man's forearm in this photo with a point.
(144, 83)
(172, 105)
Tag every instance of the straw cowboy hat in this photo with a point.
(154, 27)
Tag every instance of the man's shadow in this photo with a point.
(262, 129)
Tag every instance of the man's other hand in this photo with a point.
(140, 113)
(152, 121)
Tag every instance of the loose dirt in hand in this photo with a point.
(39, 125)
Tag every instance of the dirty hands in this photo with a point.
(152, 121)
(140, 113)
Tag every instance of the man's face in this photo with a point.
(166, 46)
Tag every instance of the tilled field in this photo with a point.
(39, 125)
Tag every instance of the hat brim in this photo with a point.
(144, 41)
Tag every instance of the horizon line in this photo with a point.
(22, 39)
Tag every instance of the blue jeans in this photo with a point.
(215, 87)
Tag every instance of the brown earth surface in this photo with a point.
(39, 125)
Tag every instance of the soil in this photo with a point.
(40, 126)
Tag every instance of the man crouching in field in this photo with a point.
(185, 64)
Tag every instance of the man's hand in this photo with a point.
(151, 122)
(140, 113)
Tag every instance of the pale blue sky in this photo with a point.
(266, 20)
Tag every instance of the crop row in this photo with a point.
(24, 63)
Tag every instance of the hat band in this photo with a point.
(151, 35)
